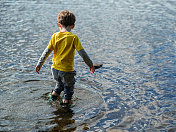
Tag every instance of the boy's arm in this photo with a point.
(87, 60)
(42, 59)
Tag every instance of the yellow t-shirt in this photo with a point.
(64, 45)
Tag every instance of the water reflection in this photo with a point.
(63, 120)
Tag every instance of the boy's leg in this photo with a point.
(59, 84)
(69, 81)
(59, 87)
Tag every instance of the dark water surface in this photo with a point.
(133, 91)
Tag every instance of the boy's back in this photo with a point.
(64, 45)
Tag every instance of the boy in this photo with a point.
(63, 44)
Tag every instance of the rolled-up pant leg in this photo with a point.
(64, 82)
(59, 84)
(69, 81)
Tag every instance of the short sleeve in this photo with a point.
(77, 44)
(51, 43)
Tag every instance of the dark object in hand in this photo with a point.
(97, 66)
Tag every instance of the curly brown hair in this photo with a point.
(66, 18)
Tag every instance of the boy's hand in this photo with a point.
(92, 69)
(37, 69)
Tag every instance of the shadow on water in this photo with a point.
(63, 120)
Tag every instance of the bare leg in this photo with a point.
(65, 101)
(54, 93)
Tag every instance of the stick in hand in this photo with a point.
(97, 66)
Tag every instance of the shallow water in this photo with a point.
(133, 91)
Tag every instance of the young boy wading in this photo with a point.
(63, 44)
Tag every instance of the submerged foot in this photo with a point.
(53, 96)
(65, 103)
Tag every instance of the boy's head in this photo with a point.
(66, 18)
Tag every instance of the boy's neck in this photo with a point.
(65, 29)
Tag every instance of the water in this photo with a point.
(133, 91)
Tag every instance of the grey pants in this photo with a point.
(64, 82)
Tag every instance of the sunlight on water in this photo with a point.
(133, 91)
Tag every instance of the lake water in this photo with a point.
(133, 91)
